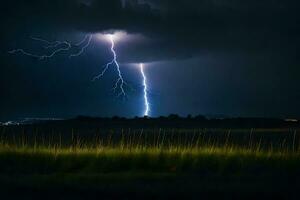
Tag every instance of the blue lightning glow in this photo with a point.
(89, 39)
(49, 44)
(67, 47)
(120, 81)
(147, 106)
(56, 46)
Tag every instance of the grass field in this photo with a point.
(161, 165)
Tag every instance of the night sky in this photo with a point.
(210, 57)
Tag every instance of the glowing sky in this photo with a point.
(229, 58)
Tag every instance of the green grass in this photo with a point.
(119, 159)
(133, 168)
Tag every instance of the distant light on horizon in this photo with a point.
(291, 120)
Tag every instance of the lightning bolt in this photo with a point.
(60, 46)
(120, 83)
(146, 102)
(89, 39)
(45, 56)
(57, 46)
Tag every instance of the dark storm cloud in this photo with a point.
(89, 16)
(189, 28)
(180, 29)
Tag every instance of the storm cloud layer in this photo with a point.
(179, 28)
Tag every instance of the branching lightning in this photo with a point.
(120, 83)
(88, 38)
(67, 47)
(48, 44)
(146, 102)
(57, 46)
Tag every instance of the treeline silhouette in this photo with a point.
(171, 121)
(176, 121)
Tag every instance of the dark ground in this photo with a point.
(25, 177)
